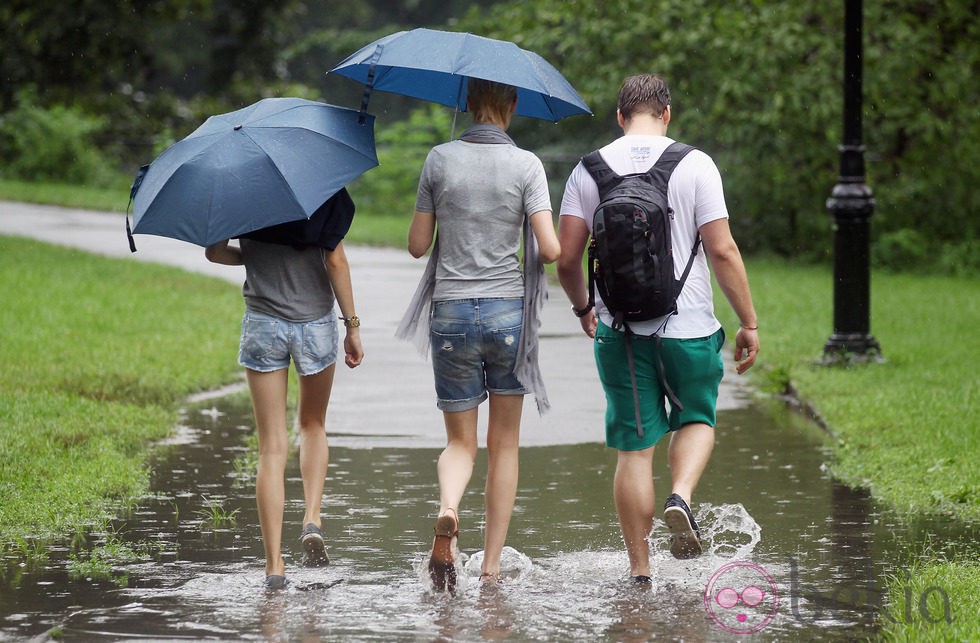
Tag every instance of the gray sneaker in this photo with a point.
(686, 536)
(275, 582)
(314, 553)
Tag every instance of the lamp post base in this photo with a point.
(848, 348)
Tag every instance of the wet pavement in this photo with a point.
(772, 518)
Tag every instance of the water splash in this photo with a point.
(727, 532)
(730, 532)
(513, 564)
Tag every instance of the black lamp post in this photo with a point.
(851, 204)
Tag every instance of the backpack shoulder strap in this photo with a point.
(671, 156)
(599, 170)
(662, 170)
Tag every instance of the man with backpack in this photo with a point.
(655, 216)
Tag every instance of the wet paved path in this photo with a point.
(389, 400)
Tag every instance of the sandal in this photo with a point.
(491, 579)
(442, 566)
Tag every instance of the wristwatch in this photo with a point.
(352, 322)
(581, 312)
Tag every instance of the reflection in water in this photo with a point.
(766, 498)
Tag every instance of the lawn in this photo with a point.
(97, 355)
(903, 426)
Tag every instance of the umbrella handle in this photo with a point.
(370, 83)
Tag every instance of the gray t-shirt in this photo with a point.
(480, 194)
(284, 282)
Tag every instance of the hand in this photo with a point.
(746, 349)
(352, 348)
(589, 323)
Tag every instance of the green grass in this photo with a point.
(215, 515)
(904, 427)
(110, 199)
(932, 602)
(379, 230)
(97, 355)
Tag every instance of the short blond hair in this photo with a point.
(490, 101)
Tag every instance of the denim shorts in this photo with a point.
(474, 350)
(268, 342)
(693, 368)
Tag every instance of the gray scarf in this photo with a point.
(527, 370)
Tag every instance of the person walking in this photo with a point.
(687, 344)
(292, 282)
(477, 311)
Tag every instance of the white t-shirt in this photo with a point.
(696, 195)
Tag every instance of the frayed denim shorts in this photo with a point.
(269, 342)
(474, 350)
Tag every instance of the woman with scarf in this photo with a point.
(478, 311)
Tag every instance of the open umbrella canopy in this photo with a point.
(274, 161)
(434, 65)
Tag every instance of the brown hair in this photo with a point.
(643, 93)
(490, 101)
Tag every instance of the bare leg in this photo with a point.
(455, 465)
(503, 433)
(314, 454)
(635, 500)
(269, 405)
(688, 455)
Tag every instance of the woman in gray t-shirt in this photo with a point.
(289, 316)
(479, 191)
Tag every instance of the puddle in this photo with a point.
(790, 553)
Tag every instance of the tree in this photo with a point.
(72, 50)
(758, 85)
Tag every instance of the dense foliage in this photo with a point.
(756, 84)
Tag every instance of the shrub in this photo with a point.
(51, 144)
(904, 249)
(402, 147)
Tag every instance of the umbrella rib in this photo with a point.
(292, 190)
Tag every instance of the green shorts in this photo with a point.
(693, 368)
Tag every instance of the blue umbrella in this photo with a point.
(434, 65)
(274, 161)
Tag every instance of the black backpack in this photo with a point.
(631, 260)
